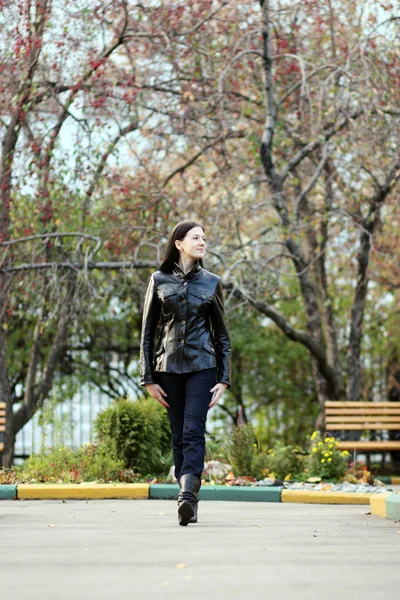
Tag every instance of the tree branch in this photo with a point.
(222, 138)
(132, 126)
(360, 294)
(311, 146)
(297, 335)
(34, 399)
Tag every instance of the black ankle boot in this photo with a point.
(195, 511)
(187, 499)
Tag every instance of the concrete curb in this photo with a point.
(8, 492)
(311, 497)
(388, 507)
(393, 506)
(94, 491)
(85, 491)
(389, 480)
(220, 492)
(378, 505)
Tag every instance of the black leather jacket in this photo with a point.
(185, 314)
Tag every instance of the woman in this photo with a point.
(189, 370)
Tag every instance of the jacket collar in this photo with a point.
(190, 274)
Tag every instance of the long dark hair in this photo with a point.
(172, 252)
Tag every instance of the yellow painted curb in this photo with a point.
(395, 480)
(84, 491)
(378, 505)
(310, 497)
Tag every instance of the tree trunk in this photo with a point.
(9, 438)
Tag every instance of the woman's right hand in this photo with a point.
(157, 393)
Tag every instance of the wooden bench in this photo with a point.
(2, 426)
(364, 416)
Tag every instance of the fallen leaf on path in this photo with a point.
(50, 525)
(181, 566)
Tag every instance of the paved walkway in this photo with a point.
(112, 549)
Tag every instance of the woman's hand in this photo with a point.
(157, 393)
(219, 389)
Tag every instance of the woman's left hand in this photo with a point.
(219, 389)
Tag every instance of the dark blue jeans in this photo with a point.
(188, 396)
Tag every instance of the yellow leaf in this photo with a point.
(5, 326)
(58, 221)
(288, 477)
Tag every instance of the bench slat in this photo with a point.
(361, 427)
(337, 404)
(2, 421)
(3, 405)
(2, 427)
(379, 446)
(362, 411)
(1, 447)
(363, 419)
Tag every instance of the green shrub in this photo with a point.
(324, 459)
(283, 461)
(102, 465)
(260, 466)
(241, 449)
(137, 432)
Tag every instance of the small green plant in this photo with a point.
(138, 433)
(215, 450)
(325, 460)
(102, 464)
(63, 463)
(284, 461)
(67, 465)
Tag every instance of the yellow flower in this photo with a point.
(330, 445)
(320, 444)
(314, 435)
(345, 453)
(314, 449)
(329, 460)
(326, 453)
(322, 460)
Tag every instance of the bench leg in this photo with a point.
(383, 461)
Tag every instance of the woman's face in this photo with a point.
(193, 245)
